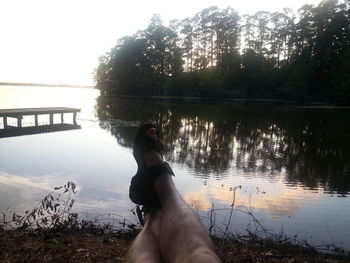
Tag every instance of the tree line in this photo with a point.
(219, 53)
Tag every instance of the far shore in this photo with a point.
(190, 99)
(44, 85)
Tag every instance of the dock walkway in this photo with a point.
(19, 113)
(35, 111)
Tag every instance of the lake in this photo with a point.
(284, 168)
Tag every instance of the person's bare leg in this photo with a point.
(182, 236)
(145, 248)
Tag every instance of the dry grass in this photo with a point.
(94, 245)
(50, 233)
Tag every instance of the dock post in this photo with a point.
(51, 118)
(19, 122)
(5, 122)
(62, 119)
(36, 120)
(74, 118)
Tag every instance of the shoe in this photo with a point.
(141, 190)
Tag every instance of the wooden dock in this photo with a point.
(19, 113)
(31, 130)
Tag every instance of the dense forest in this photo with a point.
(220, 53)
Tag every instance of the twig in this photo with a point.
(231, 211)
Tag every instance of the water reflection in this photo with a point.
(37, 129)
(307, 147)
(283, 202)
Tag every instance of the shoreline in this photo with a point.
(276, 102)
(98, 244)
(45, 85)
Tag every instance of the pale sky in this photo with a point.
(59, 41)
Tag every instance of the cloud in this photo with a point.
(281, 202)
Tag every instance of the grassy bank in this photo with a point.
(96, 244)
(51, 233)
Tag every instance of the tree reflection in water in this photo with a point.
(310, 147)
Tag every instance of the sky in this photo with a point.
(60, 41)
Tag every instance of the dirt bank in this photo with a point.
(97, 246)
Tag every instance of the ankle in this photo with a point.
(152, 158)
(164, 185)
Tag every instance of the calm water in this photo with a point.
(289, 166)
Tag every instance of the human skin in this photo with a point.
(173, 233)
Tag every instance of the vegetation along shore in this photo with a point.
(303, 56)
(50, 232)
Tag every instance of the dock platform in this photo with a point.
(19, 113)
(18, 130)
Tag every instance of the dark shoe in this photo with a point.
(141, 190)
(143, 144)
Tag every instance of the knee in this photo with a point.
(144, 258)
(203, 255)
